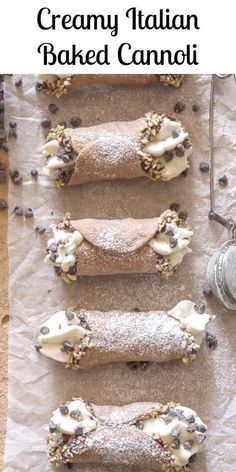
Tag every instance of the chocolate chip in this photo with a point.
(201, 428)
(200, 308)
(207, 292)
(179, 150)
(2, 133)
(195, 108)
(53, 247)
(185, 172)
(204, 167)
(173, 242)
(53, 428)
(175, 444)
(190, 418)
(180, 415)
(53, 108)
(44, 330)
(68, 346)
(134, 365)
(191, 427)
(40, 229)
(183, 215)
(40, 85)
(15, 176)
(60, 442)
(69, 315)
(18, 211)
(38, 347)
(200, 438)
(175, 133)
(172, 412)
(169, 230)
(140, 424)
(3, 204)
(34, 173)
(167, 419)
(179, 107)
(64, 410)
(211, 340)
(223, 181)
(78, 431)
(12, 134)
(46, 122)
(28, 213)
(75, 121)
(168, 156)
(192, 458)
(175, 432)
(75, 414)
(12, 124)
(188, 445)
(53, 257)
(72, 270)
(18, 82)
(175, 207)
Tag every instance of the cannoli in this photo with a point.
(156, 146)
(60, 84)
(85, 339)
(107, 247)
(143, 435)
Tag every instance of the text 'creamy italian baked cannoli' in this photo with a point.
(60, 84)
(145, 435)
(107, 247)
(84, 339)
(156, 146)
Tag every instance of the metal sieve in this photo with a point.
(221, 269)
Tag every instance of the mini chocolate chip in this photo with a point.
(34, 173)
(211, 340)
(168, 156)
(167, 419)
(134, 365)
(179, 107)
(53, 108)
(28, 213)
(169, 230)
(192, 458)
(53, 257)
(53, 428)
(173, 242)
(46, 122)
(18, 82)
(185, 172)
(78, 431)
(2, 133)
(190, 418)
(180, 415)
(12, 133)
(3, 204)
(75, 414)
(75, 121)
(200, 438)
(12, 124)
(44, 330)
(201, 428)
(40, 85)
(66, 159)
(38, 347)
(223, 181)
(172, 412)
(17, 180)
(40, 229)
(72, 270)
(188, 445)
(140, 424)
(175, 444)
(175, 432)
(53, 247)
(195, 108)
(64, 410)
(175, 207)
(60, 442)
(200, 308)
(69, 315)
(18, 211)
(207, 292)
(179, 150)
(68, 346)
(183, 215)
(191, 427)
(175, 133)
(204, 167)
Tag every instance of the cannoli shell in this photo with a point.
(114, 79)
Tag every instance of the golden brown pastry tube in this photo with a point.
(84, 339)
(144, 435)
(107, 247)
(155, 146)
(59, 85)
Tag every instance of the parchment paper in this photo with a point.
(38, 385)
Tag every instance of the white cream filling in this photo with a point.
(194, 322)
(160, 427)
(66, 424)
(173, 255)
(163, 142)
(61, 329)
(54, 162)
(66, 242)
